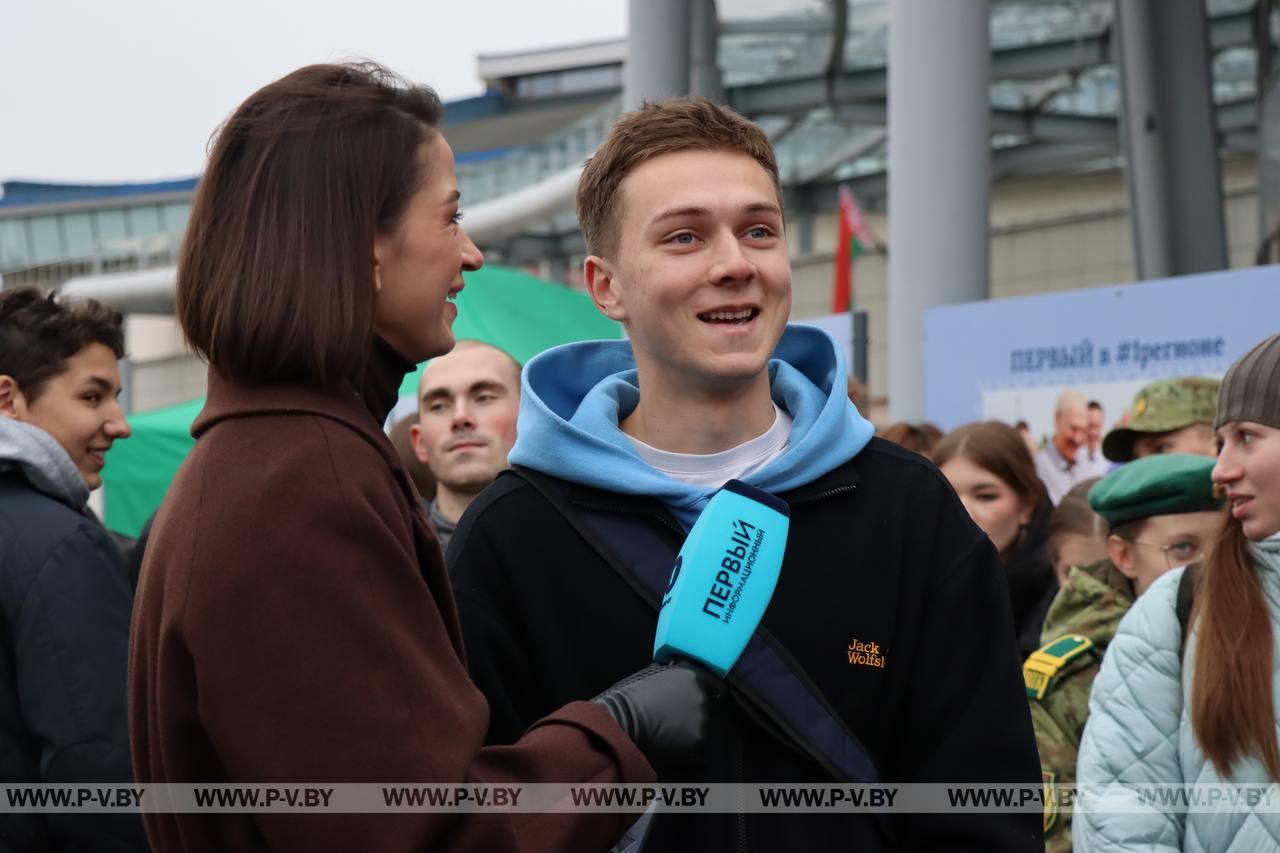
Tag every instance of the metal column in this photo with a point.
(704, 37)
(939, 176)
(1169, 138)
(657, 51)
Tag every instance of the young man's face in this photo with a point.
(468, 403)
(701, 277)
(1195, 440)
(80, 409)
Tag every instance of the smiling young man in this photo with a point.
(467, 405)
(682, 213)
(64, 595)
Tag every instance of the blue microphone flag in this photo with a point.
(723, 578)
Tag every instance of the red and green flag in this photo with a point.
(854, 239)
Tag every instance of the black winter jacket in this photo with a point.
(880, 551)
(64, 634)
(1032, 582)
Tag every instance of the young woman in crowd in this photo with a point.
(1077, 534)
(294, 620)
(1201, 708)
(992, 471)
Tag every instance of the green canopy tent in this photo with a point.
(520, 313)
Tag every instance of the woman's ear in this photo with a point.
(379, 248)
(602, 284)
(1024, 513)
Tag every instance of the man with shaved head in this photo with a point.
(1063, 461)
(467, 406)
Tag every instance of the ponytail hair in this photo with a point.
(1233, 710)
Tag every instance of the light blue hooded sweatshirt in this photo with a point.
(573, 397)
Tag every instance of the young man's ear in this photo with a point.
(1120, 553)
(13, 404)
(415, 441)
(603, 287)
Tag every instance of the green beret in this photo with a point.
(1164, 406)
(1167, 484)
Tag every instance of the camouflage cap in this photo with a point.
(1163, 406)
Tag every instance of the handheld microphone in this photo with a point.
(723, 578)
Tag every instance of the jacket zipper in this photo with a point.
(829, 493)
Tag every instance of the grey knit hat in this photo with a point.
(1251, 389)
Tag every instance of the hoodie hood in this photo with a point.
(574, 396)
(46, 466)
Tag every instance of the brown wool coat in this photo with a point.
(294, 624)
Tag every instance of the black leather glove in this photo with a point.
(665, 709)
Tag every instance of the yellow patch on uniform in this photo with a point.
(1049, 779)
(1042, 667)
(1140, 406)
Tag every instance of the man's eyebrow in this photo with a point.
(102, 384)
(431, 393)
(692, 212)
(486, 385)
(679, 212)
(455, 196)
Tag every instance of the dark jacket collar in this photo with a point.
(363, 406)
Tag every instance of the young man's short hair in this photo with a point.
(657, 128)
(39, 332)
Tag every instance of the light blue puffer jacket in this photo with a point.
(1139, 731)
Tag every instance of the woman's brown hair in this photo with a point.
(1232, 710)
(275, 279)
(919, 438)
(998, 448)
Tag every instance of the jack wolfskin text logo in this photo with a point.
(865, 654)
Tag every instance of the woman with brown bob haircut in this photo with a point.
(992, 471)
(294, 621)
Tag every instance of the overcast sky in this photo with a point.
(121, 90)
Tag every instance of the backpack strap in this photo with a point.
(767, 681)
(1186, 599)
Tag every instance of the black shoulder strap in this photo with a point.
(769, 684)
(1186, 598)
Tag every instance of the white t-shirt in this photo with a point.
(713, 470)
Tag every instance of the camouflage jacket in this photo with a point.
(1081, 622)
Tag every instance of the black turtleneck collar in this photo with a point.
(383, 375)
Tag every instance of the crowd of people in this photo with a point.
(457, 599)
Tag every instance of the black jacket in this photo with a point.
(64, 635)
(1032, 582)
(880, 551)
